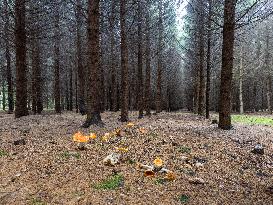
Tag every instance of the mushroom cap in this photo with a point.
(158, 162)
(79, 137)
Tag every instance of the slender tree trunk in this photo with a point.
(21, 68)
(268, 78)
(159, 66)
(8, 59)
(196, 92)
(202, 84)
(241, 72)
(227, 65)
(124, 63)
(81, 70)
(3, 95)
(148, 62)
(57, 92)
(70, 88)
(208, 61)
(113, 59)
(140, 94)
(94, 80)
(34, 81)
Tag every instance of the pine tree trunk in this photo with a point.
(227, 65)
(70, 88)
(114, 99)
(124, 64)
(94, 77)
(241, 83)
(148, 62)
(208, 61)
(3, 95)
(57, 92)
(202, 84)
(269, 78)
(140, 94)
(8, 59)
(21, 68)
(81, 71)
(159, 66)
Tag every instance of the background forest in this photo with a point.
(170, 63)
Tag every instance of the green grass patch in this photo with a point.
(160, 181)
(111, 183)
(37, 202)
(184, 149)
(3, 153)
(184, 198)
(252, 120)
(68, 155)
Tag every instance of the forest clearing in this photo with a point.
(211, 166)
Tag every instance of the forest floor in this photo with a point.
(211, 166)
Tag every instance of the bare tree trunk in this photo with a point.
(70, 88)
(208, 61)
(241, 73)
(21, 68)
(227, 65)
(159, 66)
(94, 78)
(81, 70)
(148, 62)
(140, 93)
(202, 84)
(3, 95)
(269, 78)
(124, 63)
(57, 92)
(8, 59)
(196, 92)
(114, 98)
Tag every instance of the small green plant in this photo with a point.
(184, 198)
(68, 155)
(131, 161)
(184, 149)
(160, 181)
(3, 153)
(111, 183)
(36, 201)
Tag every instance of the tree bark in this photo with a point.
(268, 78)
(227, 65)
(114, 98)
(94, 78)
(8, 59)
(159, 66)
(148, 63)
(241, 73)
(21, 68)
(202, 84)
(208, 61)
(57, 92)
(81, 70)
(124, 64)
(140, 93)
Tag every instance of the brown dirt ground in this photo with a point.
(36, 173)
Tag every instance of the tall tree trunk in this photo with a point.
(33, 77)
(159, 66)
(124, 63)
(3, 95)
(241, 73)
(8, 59)
(208, 61)
(202, 84)
(57, 92)
(94, 80)
(196, 92)
(268, 78)
(70, 88)
(140, 93)
(227, 65)
(81, 71)
(114, 98)
(21, 68)
(148, 62)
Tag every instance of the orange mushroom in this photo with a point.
(79, 137)
(158, 162)
(93, 136)
(149, 173)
